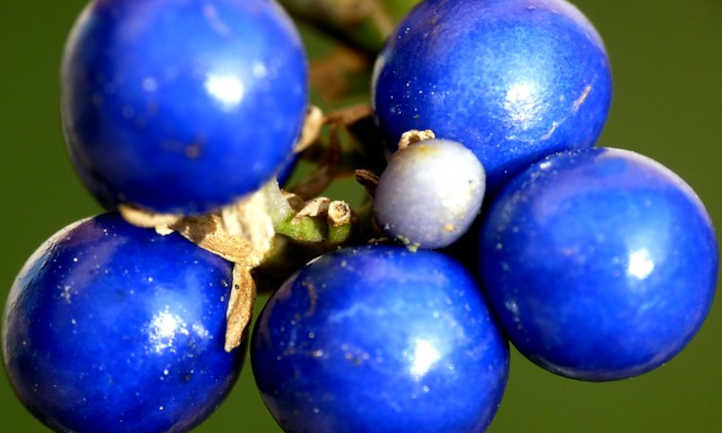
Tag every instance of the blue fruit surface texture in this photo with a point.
(513, 80)
(379, 339)
(600, 264)
(181, 106)
(115, 329)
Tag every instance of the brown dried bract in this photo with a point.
(240, 306)
(311, 129)
(313, 208)
(241, 233)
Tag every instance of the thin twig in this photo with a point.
(368, 179)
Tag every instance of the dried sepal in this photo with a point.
(147, 219)
(414, 136)
(311, 129)
(338, 213)
(313, 208)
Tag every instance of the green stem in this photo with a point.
(338, 235)
(304, 229)
(295, 244)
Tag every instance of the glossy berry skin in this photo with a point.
(379, 339)
(115, 329)
(430, 193)
(286, 172)
(513, 80)
(600, 264)
(181, 106)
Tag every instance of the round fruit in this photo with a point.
(600, 264)
(112, 328)
(513, 80)
(287, 169)
(181, 106)
(430, 193)
(379, 339)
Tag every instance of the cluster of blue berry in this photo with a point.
(595, 263)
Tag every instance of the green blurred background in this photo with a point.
(667, 62)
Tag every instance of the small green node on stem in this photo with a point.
(338, 235)
(339, 222)
(319, 220)
(304, 229)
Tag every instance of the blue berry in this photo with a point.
(513, 80)
(112, 328)
(379, 339)
(430, 193)
(286, 171)
(600, 264)
(181, 107)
